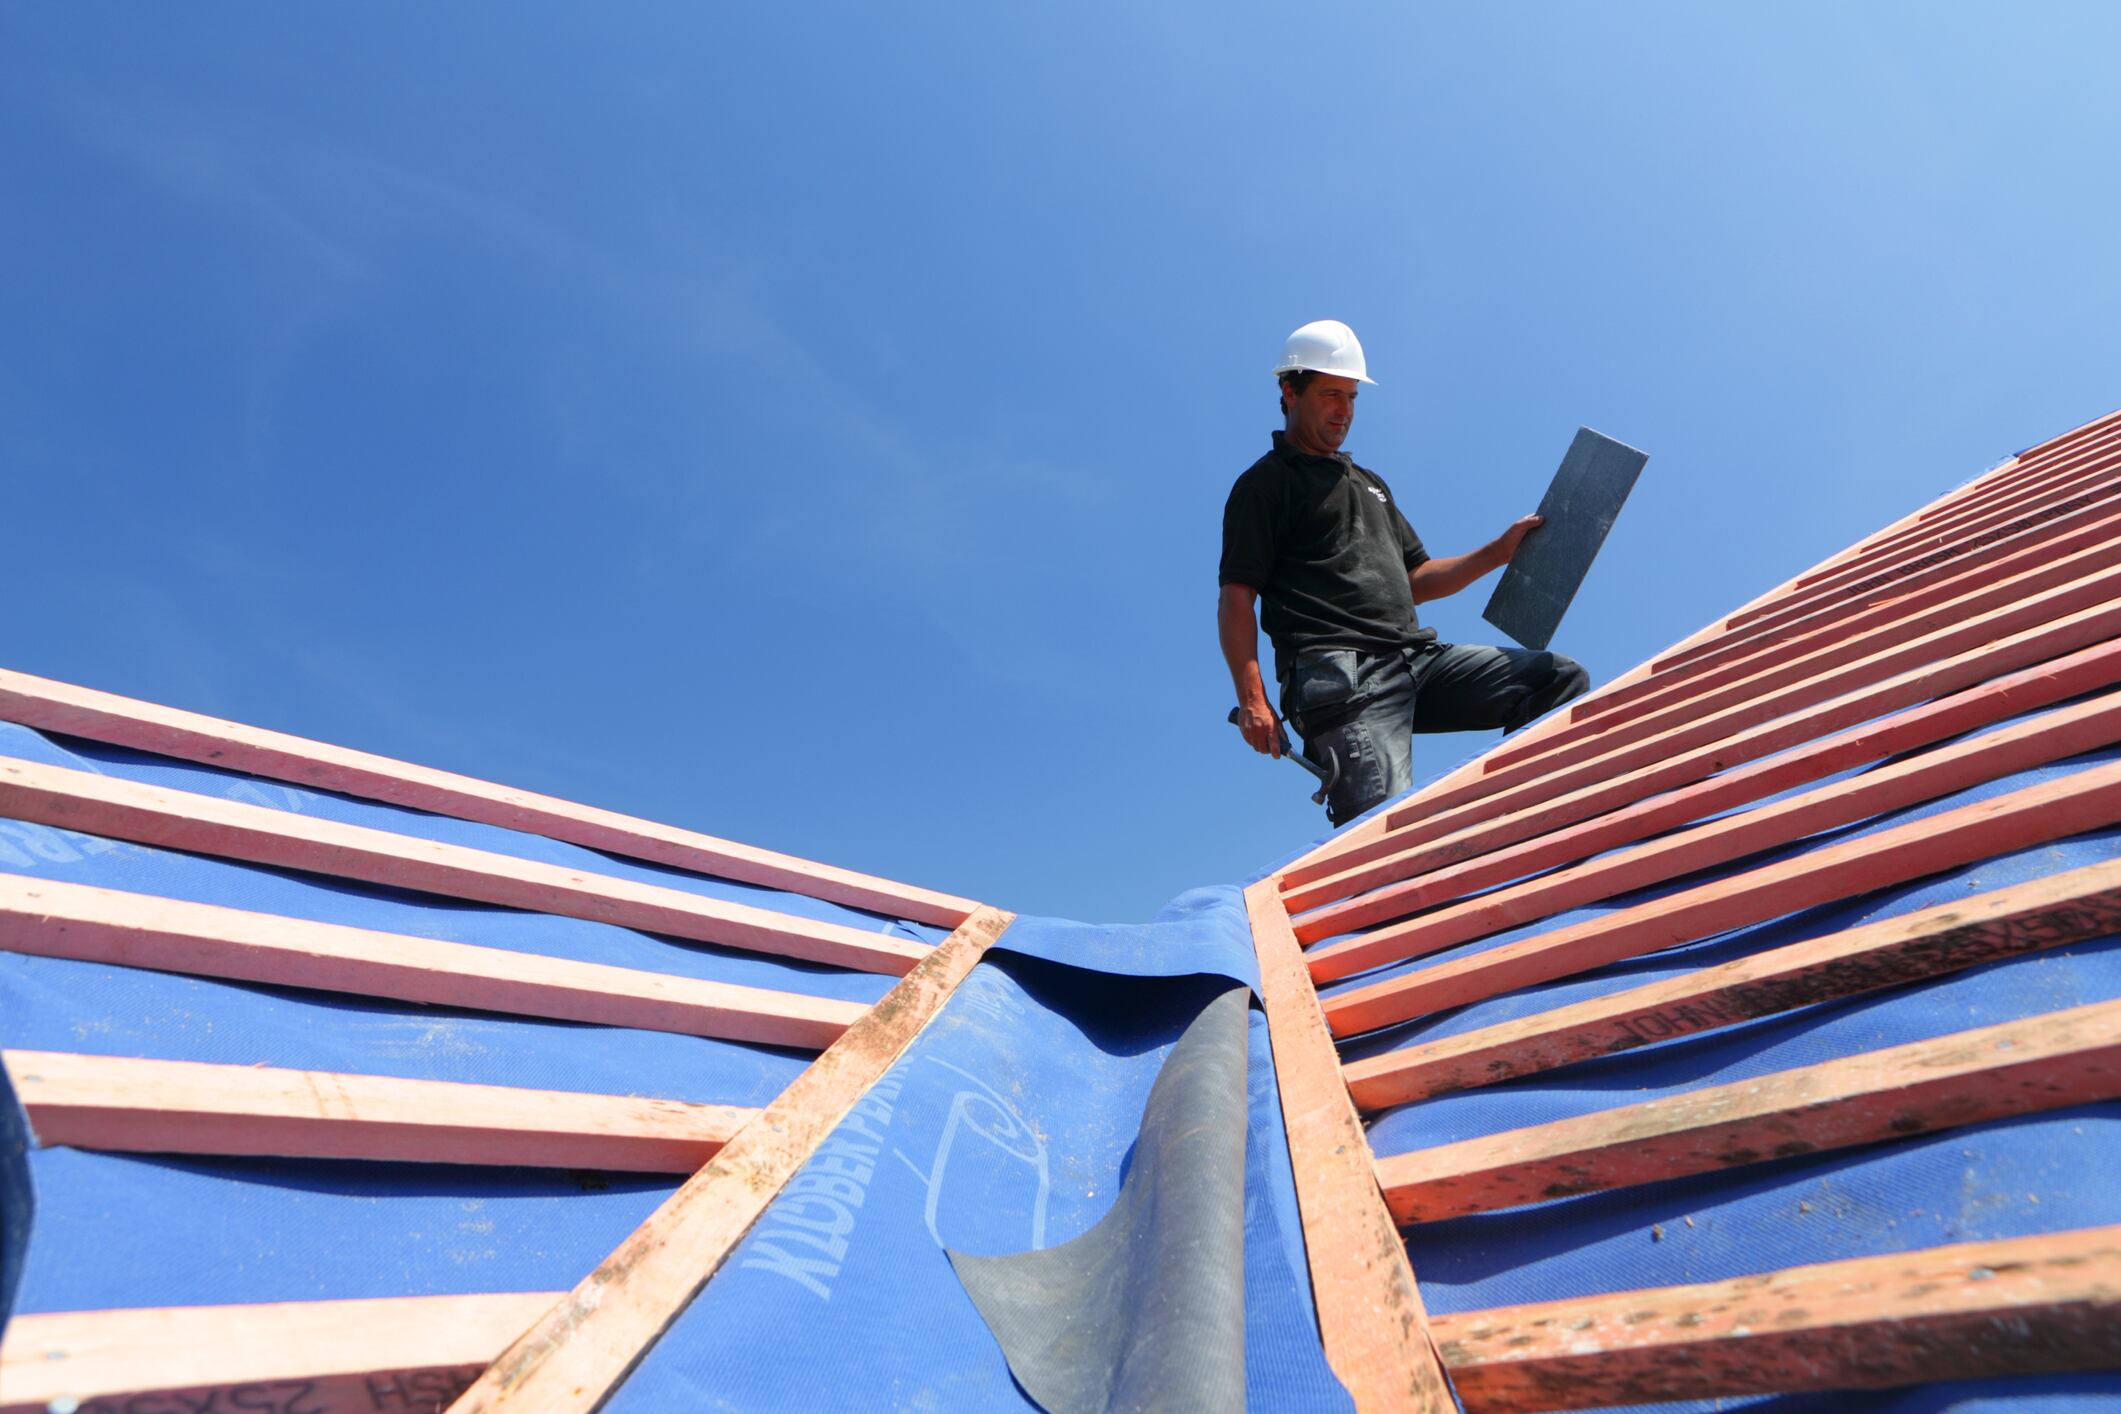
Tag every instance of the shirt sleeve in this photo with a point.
(1248, 535)
(1411, 552)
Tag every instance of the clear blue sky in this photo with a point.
(810, 424)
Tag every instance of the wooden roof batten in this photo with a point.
(2022, 1306)
(1972, 640)
(190, 736)
(127, 810)
(51, 918)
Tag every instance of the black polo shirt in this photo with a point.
(1325, 545)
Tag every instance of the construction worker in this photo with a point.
(1323, 544)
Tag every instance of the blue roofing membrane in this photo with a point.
(184, 1230)
(1007, 1126)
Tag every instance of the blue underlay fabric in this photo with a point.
(117, 1230)
(1010, 1126)
(1061, 1034)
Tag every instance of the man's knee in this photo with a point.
(1570, 679)
(1557, 678)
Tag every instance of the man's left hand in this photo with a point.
(1510, 539)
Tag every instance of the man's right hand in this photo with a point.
(1261, 728)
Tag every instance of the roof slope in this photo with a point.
(1793, 946)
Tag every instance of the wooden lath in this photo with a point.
(1853, 624)
(2033, 1063)
(1423, 876)
(2097, 526)
(2037, 470)
(120, 809)
(585, 1344)
(2037, 596)
(1958, 657)
(2046, 453)
(50, 918)
(1450, 836)
(318, 1357)
(1944, 770)
(1979, 487)
(1934, 545)
(1975, 510)
(2033, 465)
(2027, 1305)
(2038, 814)
(122, 721)
(2001, 599)
(1716, 635)
(2001, 512)
(193, 1107)
(1926, 553)
(2029, 917)
(1370, 1315)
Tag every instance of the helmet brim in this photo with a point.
(1329, 372)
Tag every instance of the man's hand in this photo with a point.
(1510, 539)
(1439, 579)
(1257, 721)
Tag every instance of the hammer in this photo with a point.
(1327, 774)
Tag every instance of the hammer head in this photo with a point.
(1327, 778)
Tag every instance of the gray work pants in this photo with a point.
(1366, 707)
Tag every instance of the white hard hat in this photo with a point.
(1324, 346)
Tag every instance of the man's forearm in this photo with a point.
(1439, 579)
(1238, 633)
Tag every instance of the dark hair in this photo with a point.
(1295, 380)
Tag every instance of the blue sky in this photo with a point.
(810, 424)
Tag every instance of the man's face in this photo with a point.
(1320, 416)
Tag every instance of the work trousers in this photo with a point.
(1364, 709)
